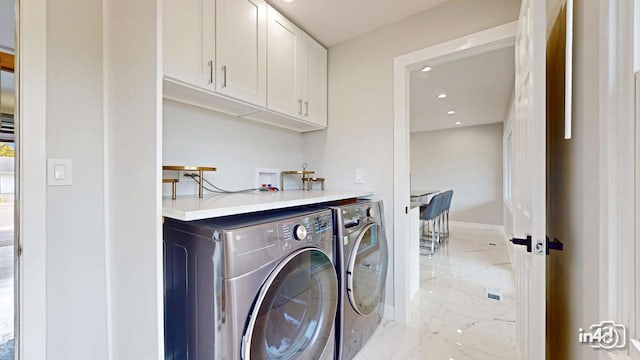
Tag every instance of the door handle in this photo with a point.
(554, 244)
(306, 105)
(351, 223)
(300, 107)
(523, 242)
(210, 63)
(224, 76)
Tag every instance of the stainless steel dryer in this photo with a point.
(278, 293)
(362, 258)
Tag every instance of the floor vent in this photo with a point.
(494, 294)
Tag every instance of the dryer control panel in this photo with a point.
(350, 219)
(302, 231)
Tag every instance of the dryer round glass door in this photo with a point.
(367, 270)
(294, 312)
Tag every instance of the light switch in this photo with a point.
(59, 172)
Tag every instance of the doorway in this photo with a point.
(8, 248)
(457, 110)
(492, 39)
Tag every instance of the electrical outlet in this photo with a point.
(359, 176)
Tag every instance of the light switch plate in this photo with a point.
(59, 172)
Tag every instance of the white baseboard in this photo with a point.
(476, 225)
(634, 349)
(389, 313)
(618, 355)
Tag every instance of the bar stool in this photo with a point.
(448, 195)
(429, 213)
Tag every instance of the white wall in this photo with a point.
(236, 147)
(102, 242)
(7, 25)
(467, 160)
(133, 71)
(76, 273)
(360, 132)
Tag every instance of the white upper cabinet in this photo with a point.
(284, 92)
(189, 41)
(244, 58)
(314, 88)
(241, 50)
(297, 71)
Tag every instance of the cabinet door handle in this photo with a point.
(224, 76)
(300, 107)
(210, 71)
(306, 106)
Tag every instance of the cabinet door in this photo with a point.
(189, 41)
(315, 89)
(284, 93)
(241, 54)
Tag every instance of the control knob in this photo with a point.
(371, 212)
(299, 232)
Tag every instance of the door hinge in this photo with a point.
(554, 244)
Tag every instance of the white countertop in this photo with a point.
(216, 205)
(419, 192)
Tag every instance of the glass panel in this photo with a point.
(297, 314)
(369, 272)
(7, 164)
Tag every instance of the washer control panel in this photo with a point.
(304, 230)
(322, 224)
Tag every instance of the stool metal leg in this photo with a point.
(447, 223)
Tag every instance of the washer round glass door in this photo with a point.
(367, 270)
(294, 312)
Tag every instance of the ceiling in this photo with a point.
(334, 21)
(478, 89)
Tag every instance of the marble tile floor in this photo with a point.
(451, 318)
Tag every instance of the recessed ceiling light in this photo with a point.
(458, 123)
(451, 112)
(442, 96)
(459, 331)
(426, 68)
